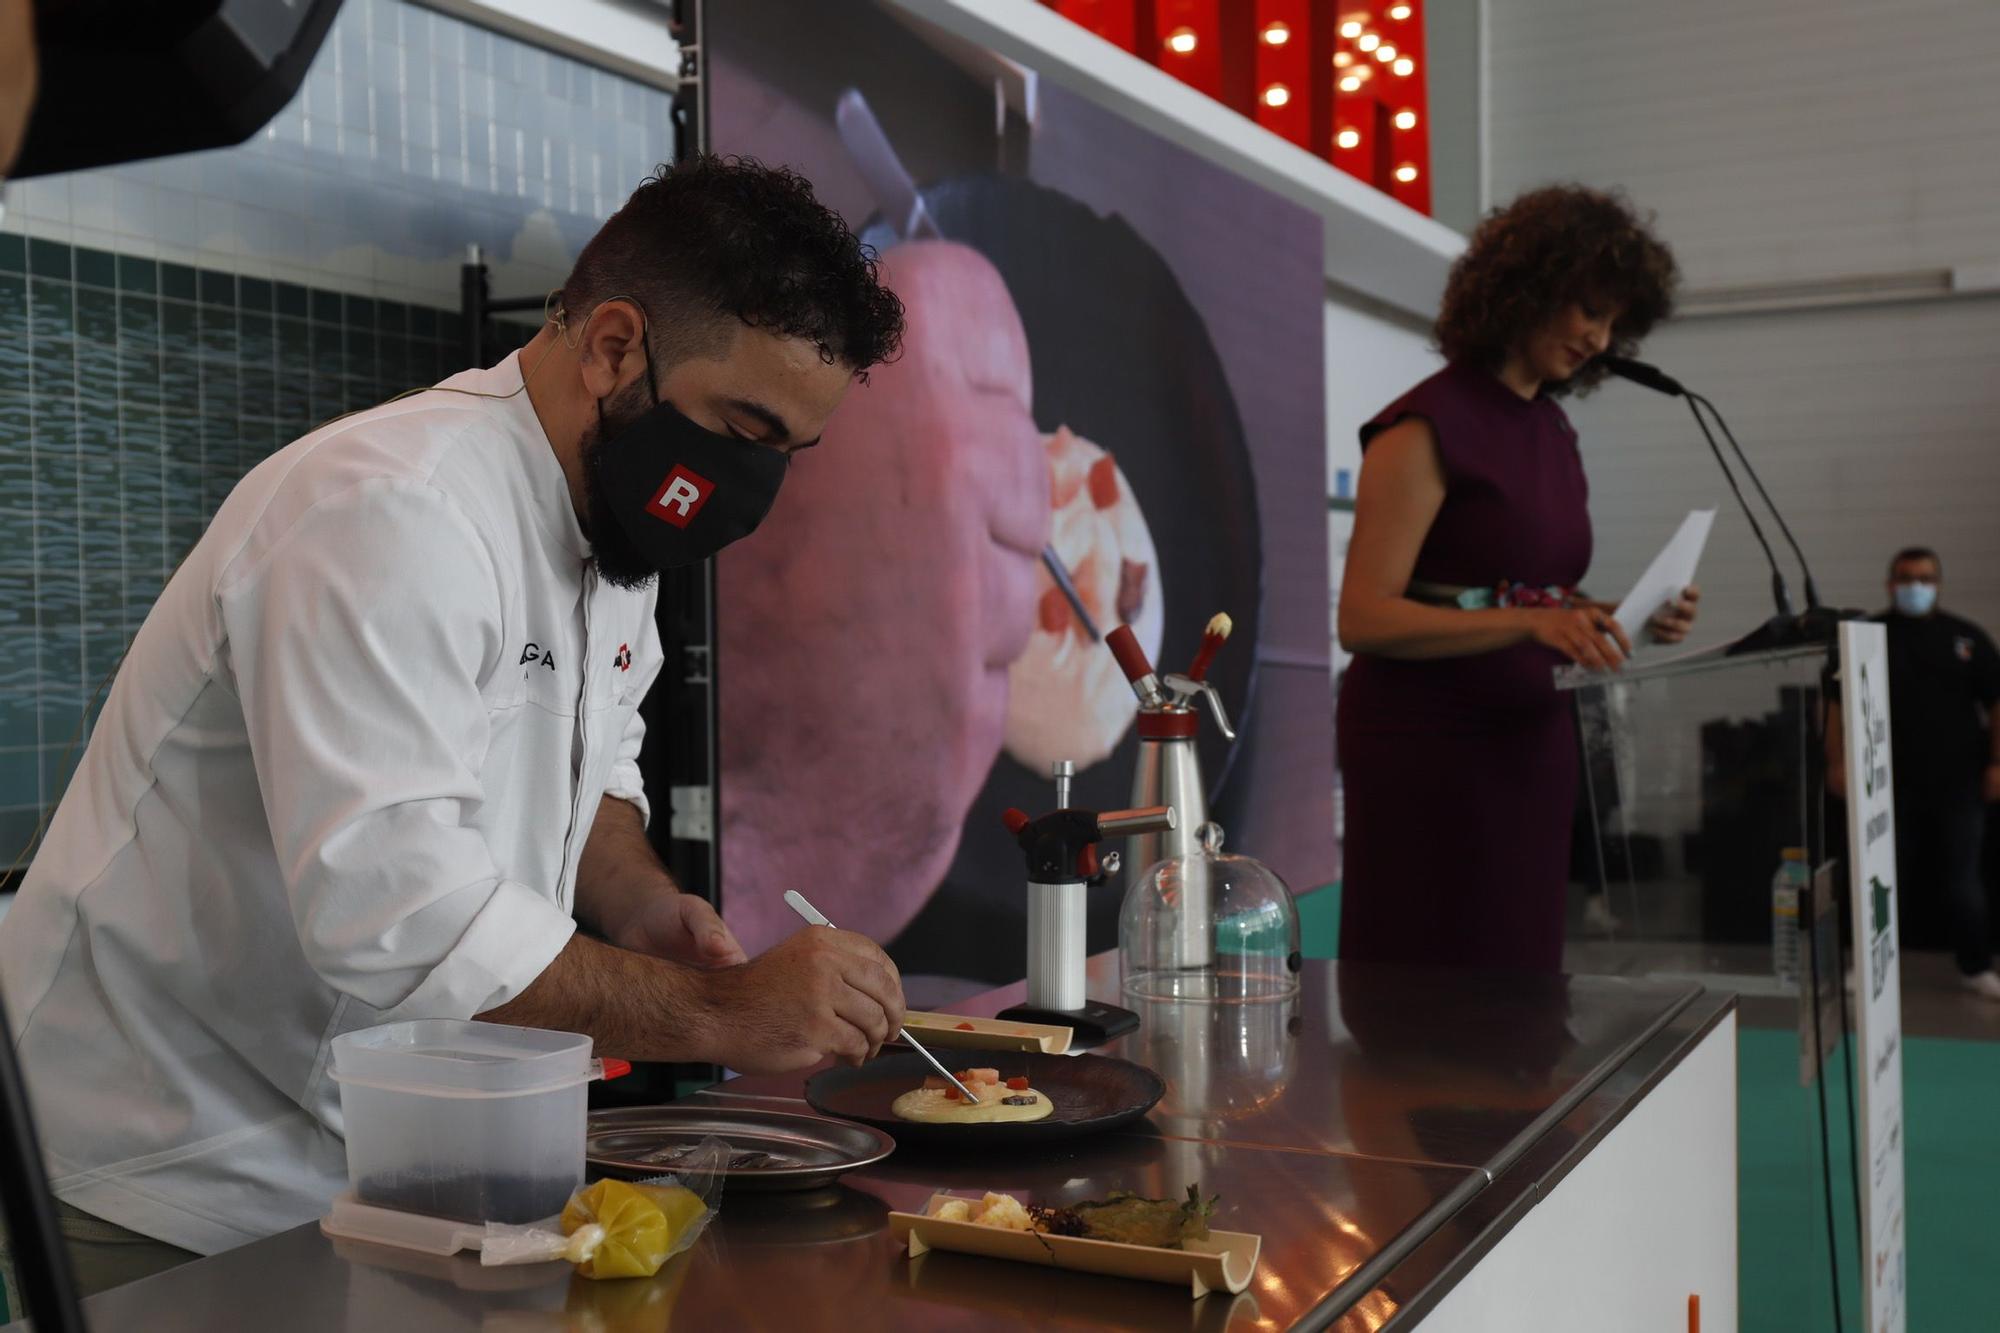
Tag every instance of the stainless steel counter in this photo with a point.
(1381, 1132)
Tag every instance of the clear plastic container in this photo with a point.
(474, 1121)
(1209, 927)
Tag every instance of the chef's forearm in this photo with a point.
(619, 872)
(630, 1005)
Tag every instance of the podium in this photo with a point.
(1708, 850)
(1699, 772)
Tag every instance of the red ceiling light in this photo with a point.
(1304, 69)
(1116, 21)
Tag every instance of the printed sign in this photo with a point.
(1871, 824)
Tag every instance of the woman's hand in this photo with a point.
(1586, 635)
(1671, 623)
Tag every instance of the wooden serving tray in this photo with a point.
(1225, 1261)
(958, 1032)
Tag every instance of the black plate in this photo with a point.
(1092, 1093)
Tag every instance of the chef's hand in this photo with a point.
(684, 928)
(1671, 623)
(821, 993)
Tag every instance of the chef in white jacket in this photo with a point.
(373, 754)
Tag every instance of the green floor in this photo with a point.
(1951, 1102)
(1951, 1094)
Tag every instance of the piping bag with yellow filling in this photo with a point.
(616, 1228)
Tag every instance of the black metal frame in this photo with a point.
(681, 755)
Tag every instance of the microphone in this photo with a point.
(1812, 592)
(1786, 627)
(1639, 372)
(1652, 377)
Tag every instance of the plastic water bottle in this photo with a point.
(1786, 946)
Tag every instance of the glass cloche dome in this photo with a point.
(1209, 927)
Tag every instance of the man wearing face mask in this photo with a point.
(373, 754)
(1944, 741)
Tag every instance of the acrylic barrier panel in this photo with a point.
(1702, 817)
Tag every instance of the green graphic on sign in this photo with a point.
(1879, 898)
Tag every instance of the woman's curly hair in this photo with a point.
(1550, 248)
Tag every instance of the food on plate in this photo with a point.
(1126, 1219)
(937, 1102)
(1133, 1220)
(1067, 697)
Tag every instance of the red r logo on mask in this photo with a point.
(681, 497)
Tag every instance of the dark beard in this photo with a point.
(618, 561)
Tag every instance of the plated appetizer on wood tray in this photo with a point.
(955, 1031)
(1153, 1240)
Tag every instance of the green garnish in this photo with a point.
(1131, 1219)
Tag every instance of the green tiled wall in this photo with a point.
(133, 395)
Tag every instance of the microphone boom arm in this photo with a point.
(1812, 592)
(1779, 591)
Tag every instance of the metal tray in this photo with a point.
(773, 1150)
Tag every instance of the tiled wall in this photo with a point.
(133, 394)
(163, 326)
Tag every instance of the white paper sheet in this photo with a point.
(1671, 571)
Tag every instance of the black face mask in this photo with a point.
(679, 493)
(664, 492)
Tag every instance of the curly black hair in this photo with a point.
(714, 238)
(1550, 248)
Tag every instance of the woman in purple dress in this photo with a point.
(1471, 533)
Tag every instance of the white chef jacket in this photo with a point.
(343, 778)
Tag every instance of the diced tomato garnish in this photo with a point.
(1104, 483)
(1018, 1083)
(952, 1094)
(1052, 613)
(967, 1027)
